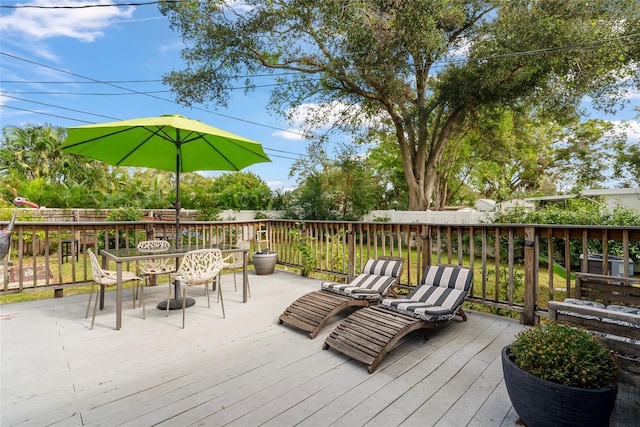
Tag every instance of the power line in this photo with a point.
(144, 81)
(46, 114)
(87, 6)
(84, 93)
(149, 95)
(55, 106)
(76, 82)
(134, 93)
(114, 118)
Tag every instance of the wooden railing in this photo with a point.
(518, 280)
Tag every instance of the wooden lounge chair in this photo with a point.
(312, 311)
(369, 334)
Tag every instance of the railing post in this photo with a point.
(529, 313)
(351, 240)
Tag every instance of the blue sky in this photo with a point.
(124, 44)
(134, 47)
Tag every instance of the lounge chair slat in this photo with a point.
(369, 323)
(364, 331)
(362, 341)
(385, 318)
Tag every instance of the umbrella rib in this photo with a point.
(96, 138)
(231, 141)
(133, 150)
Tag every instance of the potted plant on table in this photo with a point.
(557, 375)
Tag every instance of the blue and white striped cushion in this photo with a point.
(375, 280)
(365, 286)
(383, 267)
(442, 291)
(448, 276)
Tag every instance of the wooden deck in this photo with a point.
(245, 370)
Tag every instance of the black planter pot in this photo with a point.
(541, 403)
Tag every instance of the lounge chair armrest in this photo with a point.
(393, 291)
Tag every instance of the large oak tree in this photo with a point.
(416, 68)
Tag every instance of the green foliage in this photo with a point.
(238, 190)
(518, 282)
(337, 251)
(33, 166)
(128, 213)
(577, 212)
(369, 66)
(211, 214)
(302, 243)
(565, 355)
(310, 201)
(260, 215)
(344, 189)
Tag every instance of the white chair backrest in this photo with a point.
(200, 266)
(153, 245)
(96, 270)
(236, 257)
(156, 265)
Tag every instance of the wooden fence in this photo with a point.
(518, 268)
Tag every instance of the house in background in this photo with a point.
(611, 197)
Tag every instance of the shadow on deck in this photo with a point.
(245, 370)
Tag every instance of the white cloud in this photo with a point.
(281, 186)
(320, 115)
(630, 127)
(85, 24)
(291, 134)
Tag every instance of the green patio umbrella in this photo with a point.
(169, 142)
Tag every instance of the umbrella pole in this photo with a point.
(176, 302)
(177, 204)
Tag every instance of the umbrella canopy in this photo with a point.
(170, 142)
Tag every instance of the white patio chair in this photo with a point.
(198, 267)
(106, 278)
(154, 267)
(235, 261)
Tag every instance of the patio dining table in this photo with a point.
(122, 255)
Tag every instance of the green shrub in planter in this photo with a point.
(558, 376)
(564, 355)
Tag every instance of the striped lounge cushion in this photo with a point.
(442, 291)
(375, 280)
(384, 267)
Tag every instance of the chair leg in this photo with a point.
(89, 302)
(235, 286)
(144, 311)
(134, 290)
(221, 301)
(168, 298)
(206, 291)
(184, 304)
(95, 308)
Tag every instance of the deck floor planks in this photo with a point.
(267, 395)
(475, 396)
(245, 388)
(349, 394)
(200, 380)
(244, 370)
(389, 399)
(439, 389)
